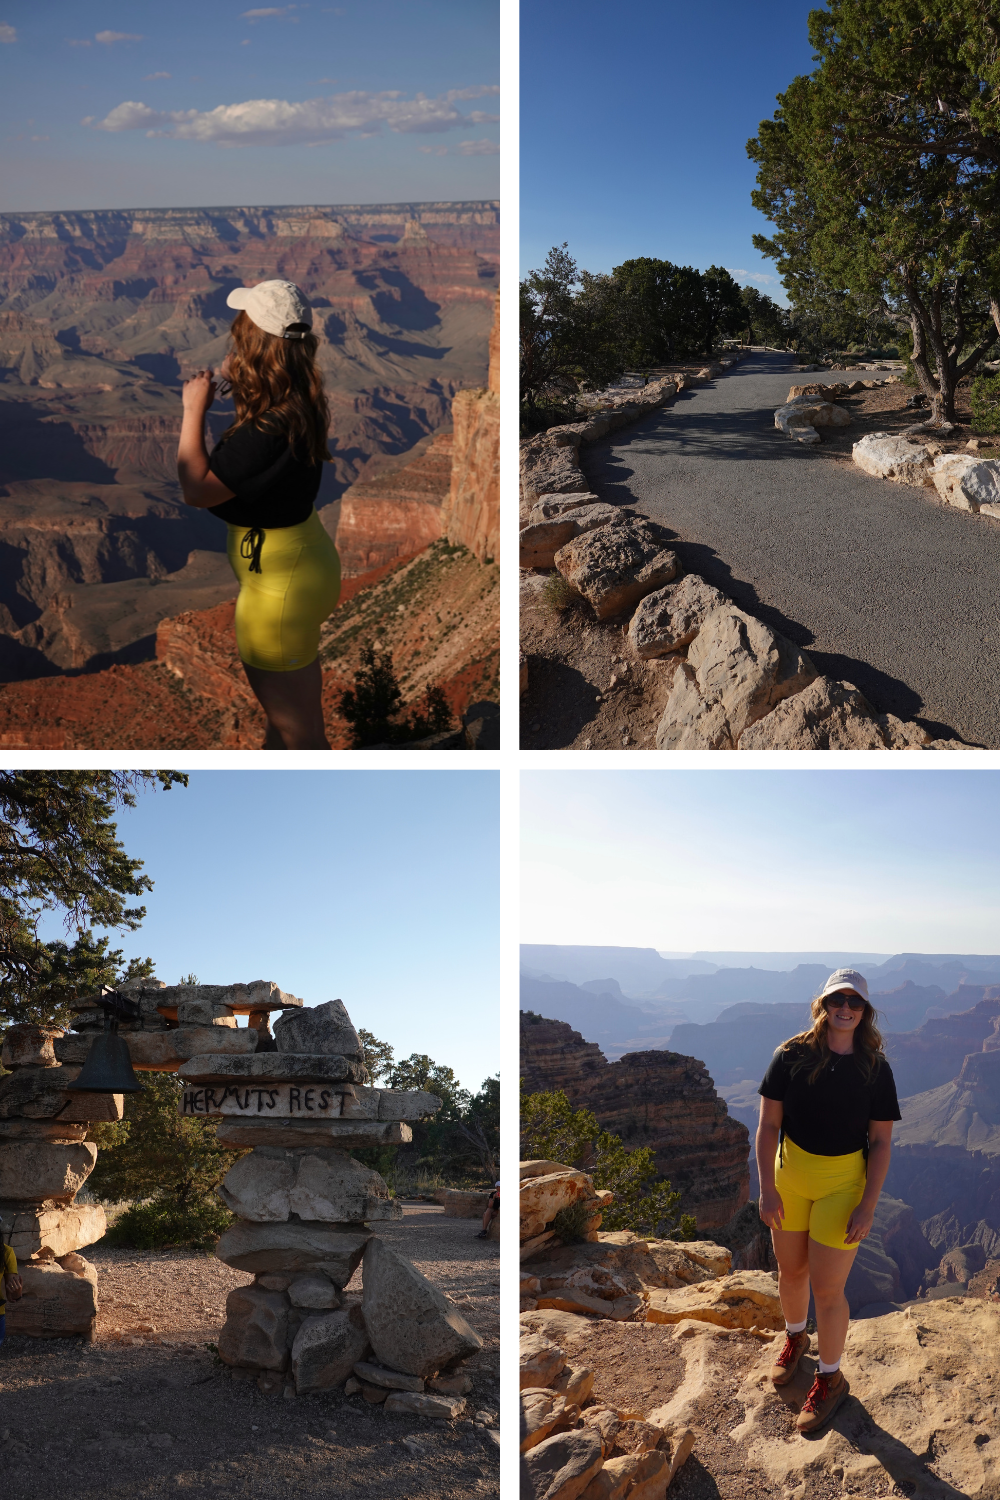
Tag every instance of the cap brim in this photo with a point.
(239, 296)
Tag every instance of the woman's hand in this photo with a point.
(771, 1208)
(198, 393)
(13, 1287)
(859, 1224)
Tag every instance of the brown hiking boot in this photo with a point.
(825, 1395)
(784, 1367)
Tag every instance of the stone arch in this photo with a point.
(300, 1099)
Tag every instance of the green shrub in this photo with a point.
(164, 1221)
(570, 1223)
(558, 594)
(986, 404)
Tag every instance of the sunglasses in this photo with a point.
(836, 1001)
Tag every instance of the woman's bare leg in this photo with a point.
(294, 707)
(828, 1271)
(791, 1250)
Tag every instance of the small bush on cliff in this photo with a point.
(570, 1223)
(551, 1129)
(372, 706)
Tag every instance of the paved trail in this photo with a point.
(886, 588)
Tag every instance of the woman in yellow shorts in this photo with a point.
(261, 479)
(828, 1101)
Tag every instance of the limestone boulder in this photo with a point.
(737, 670)
(799, 419)
(34, 1171)
(35, 1093)
(541, 1410)
(981, 487)
(390, 1380)
(199, 1011)
(894, 458)
(271, 1184)
(541, 1360)
(326, 1349)
(412, 1326)
(73, 1047)
(540, 1167)
(615, 567)
(287, 1067)
(689, 1261)
(29, 1229)
(165, 1051)
(41, 1130)
(462, 1205)
(551, 507)
(318, 1028)
(336, 1252)
(922, 1409)
(27, 1046)
(437, 1408)
(670, 618)
(256, 1329)
(56, 1303)
(255, 996)
(314, 1291)
(744, 1299)
(541, 540)
(346, 1135)
(541, 1198)
(947, 474)
(831, 715)
(561, 1467)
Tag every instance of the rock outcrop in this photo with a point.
(397, 513)
(657, 1099)
(472, 511)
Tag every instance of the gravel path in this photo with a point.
(886, 587)
(143, 1416)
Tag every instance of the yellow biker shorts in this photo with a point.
(289, 579)
(819, 1193)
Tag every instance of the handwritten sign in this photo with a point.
(279, 1100)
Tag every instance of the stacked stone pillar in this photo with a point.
(304, 1209)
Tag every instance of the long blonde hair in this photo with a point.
(814, 1047)
(278, 379)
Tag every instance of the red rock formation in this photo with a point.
(656, 1099)
(472, 514)
(397, 513)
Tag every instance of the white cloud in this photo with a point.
(150, 76)
(279, 122)
(116, 36)
(7, 33)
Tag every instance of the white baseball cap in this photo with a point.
(273, 305)
(846, 979)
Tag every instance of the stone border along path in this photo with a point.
(892, 593)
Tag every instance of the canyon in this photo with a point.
(657, 1099)
(109, 575)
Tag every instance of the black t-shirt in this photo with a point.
(830, 1117)
(271, 487)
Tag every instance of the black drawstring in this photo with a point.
(250, 547)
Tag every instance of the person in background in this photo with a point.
(492, 1210)
(828, 1101)
(10, 1285)
(262, 479)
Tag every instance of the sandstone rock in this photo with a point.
(690, 1260)
(56, 1303)
(615, 567)
(59, 1230)
(450, 1385)
(41, 1130)
(575, 1382)
(258, 995)
(981, 487)
(540, 1167)
(201, 1012)
(256, 1329)
(566, 1329)
(44, 1170)
(572, 1300)
(313, 1291)
(213, 1067)
(541, 540)
(390, 1380)
(461, 1205)
(551, 507)
(541, 1198)
(561, 1467)
(294, 1247)
(541, 1410)
(82, 1107)
(744, 1299)
(923, 1393)
(644, 1476)
(605, 1422)
(326, 1349)
(671, 617)
(894, 458)
(28, 1046)
(274, 1283)
(165, 1051)
(947, 475)
(347, 1135)
(441, 1408)
(412, 1326)
(541, 1360)
(800, 418)
(737, 670)
(318, 1029)
(320, 1185)
(830, 715)
(35, 1093)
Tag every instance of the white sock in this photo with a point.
(825, 1369)
(794, 1328)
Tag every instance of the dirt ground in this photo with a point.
(884, 409)
(147, 1410)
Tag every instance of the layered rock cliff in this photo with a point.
(658, 1099)
(472, 512)
(397, 513)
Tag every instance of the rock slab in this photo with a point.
(412, 1326)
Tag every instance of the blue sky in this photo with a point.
(249, 105)
(882, 861)
(350, 885)
(634, 127)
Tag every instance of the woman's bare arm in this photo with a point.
(879, 1150)
(772, 1112)
(199, 485)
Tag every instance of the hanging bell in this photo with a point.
(108, 1069)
